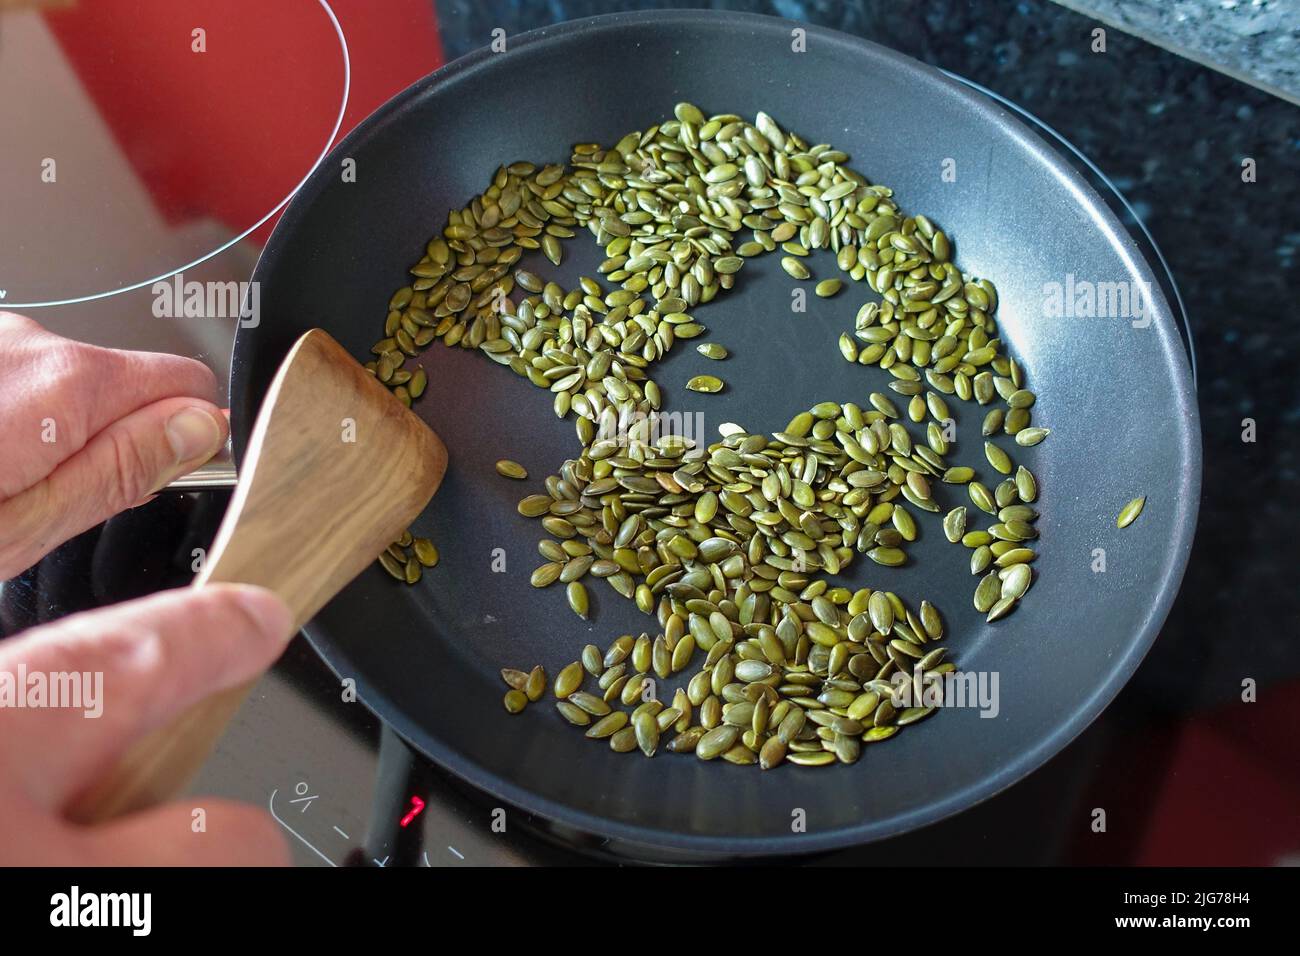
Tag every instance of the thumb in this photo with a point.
(144, 662)
(201, 831)
(117, 468)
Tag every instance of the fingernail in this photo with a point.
(193, 433)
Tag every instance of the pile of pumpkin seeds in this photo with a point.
(408, 556)
(806, 681)
(724, 544)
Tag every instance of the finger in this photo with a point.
(202, 831)
(59, 394)
(154, 657)
(121, 466)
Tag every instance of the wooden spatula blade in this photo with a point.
(336, 470)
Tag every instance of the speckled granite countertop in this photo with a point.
(1254, 40)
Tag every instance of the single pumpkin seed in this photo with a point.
(1129, 513)
(705, 383)
(511, 469)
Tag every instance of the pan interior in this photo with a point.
(1116, 396)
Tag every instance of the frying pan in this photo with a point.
(1117, 394)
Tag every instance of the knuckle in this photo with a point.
(64, 359)
(81, 377)
(13, 323)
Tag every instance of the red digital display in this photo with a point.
(417, 805)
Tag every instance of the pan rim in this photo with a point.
(704, 846)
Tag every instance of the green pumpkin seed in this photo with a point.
(573, 713)
(818, 758)
(1026, 485)
(1017, 581)
(705, 383)
(589, 703)
(568, 680)
(578, 600)
(773, 752)
(546, 574)
(954, 524)
(981, 497)
(1000, 609)
(535, 686)
(425, 552)
(717, 741)
(889, 557)
(988, 592)
(534, 506)
(646, 728)
(511, 469)
(794, 268)
(1129, 513)
(608, 725)
(997, 458)
(623, 741)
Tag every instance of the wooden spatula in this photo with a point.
(336, 470)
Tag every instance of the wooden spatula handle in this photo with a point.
(313, 508)
(159, 765)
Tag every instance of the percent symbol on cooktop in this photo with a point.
(305, 796)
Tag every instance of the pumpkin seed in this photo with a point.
(425, 552)
(954, 524)
(546, 574)
(623, 741)
(589, 703)
(1026, 485)
(1028, 437)
(794, 268)
(997, 458)
(717, 741)
(573, 713)
(511, 469)
(705, 383)
(578, 600)
(646, 728)
(817, 758)
(568, 680)
(535, 686)
(608, 725)
(1129, 513)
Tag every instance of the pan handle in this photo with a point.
(217, 472)
(401, 775)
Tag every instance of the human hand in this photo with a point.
(157, 656)
(90, 431)
(87, 432)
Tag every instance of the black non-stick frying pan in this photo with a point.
(1117, 394)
